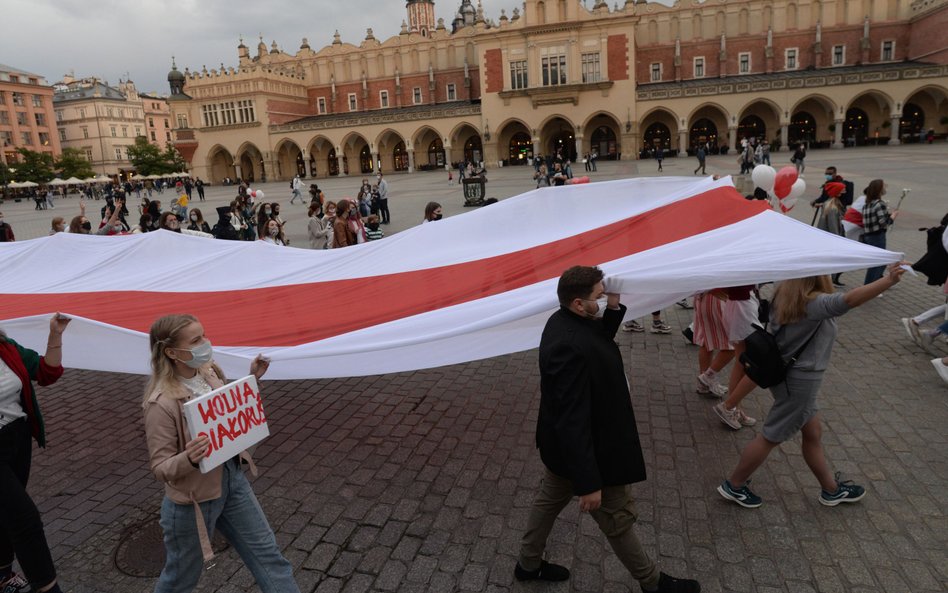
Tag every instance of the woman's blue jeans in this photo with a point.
(239, 517)
(876, 240)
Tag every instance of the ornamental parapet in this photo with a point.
(789, 80)
(379, 116)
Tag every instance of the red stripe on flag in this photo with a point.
(284, 316)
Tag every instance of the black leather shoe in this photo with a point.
(547, 572)
(667, 584)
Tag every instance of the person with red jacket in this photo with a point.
(21, 528)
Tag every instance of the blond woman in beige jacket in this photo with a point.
(195, 504)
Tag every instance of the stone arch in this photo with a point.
(932, 100)
(250, 161)
(356, 154)
(515, 142)
(318, 149)
(602, 131)
(769, 115)
(385, 147)
(220, 164)
(428, 146)
(289, 160)
(558, 136)
(466, 144)
(877, 108)
(658, 126)
(708, 124)
(810, 121)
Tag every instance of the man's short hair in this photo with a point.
(577, 283)
(833, 169)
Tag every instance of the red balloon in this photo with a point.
(578, 180)
(784, 180)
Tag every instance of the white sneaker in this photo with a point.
(713, 386)
(941, 369)
(729, 417)
(911, 328)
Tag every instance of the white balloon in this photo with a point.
(763, 177)
(259, 195)
(797, 189)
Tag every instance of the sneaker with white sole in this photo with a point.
(701, 388)
(730, 417)
(941, 368)
(911, 328)
(713, 386)
(744, 419)
(845, 492)
(660, 327)
(15, 583)
(632, 326)
(742, 496)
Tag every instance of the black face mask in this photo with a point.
(87, 225)
(437, 217)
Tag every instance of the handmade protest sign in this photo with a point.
(231, 417)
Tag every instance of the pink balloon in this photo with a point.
(578, 180)
(784, 181)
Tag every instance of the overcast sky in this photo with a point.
(108, 38)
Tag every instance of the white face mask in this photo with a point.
(194, 217)
(274, 231)
(200, 355)
(602, 303)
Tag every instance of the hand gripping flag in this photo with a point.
(465, 288)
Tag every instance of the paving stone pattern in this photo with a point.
(421, 482)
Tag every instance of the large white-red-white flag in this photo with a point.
(465, 288)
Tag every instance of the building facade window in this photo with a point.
(656, 70)
(59, 116)
(21, 118)
(451, 93)
(353, 102)
(182, 121)
(321, 105)
(744, 62)
(383, 99)
(138, 131)
(17, 97)
(839, 55)
(888, 51)
(62, 135)
(590, 66)
(110, 112)
(246, 112)
(209, 115)
(44, 138)
(82, 113)
(118, 154)
(40, 119)
(553, 67)
(790, 58)
(26, 138)
(85, 132)
(416, 95)
(4, 118)
(6, 137)
(37, 101)
(153, 139)
(699, 67)
(168, 136)
(88, 152)
(518, 74)
(124, 131)
(151, 122)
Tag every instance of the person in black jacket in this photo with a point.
(586, 433)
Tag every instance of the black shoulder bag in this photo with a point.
(762, 360)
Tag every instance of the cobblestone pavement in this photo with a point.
(421, 482)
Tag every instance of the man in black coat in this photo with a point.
(586, 433)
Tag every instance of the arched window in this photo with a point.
(436, 153)
(520, 146)
(704, 132)
(752, 127)
(856, 126)
(802, 128)
(400, 157)
(657, 135)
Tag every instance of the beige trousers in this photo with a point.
(615, 518)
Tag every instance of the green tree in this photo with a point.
(147, 158)
(33, 166)
(174, 159)
(73, 163)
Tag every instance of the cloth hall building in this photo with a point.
(571, 77)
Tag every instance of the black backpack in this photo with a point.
(762, 360)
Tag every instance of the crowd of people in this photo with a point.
(586, 430)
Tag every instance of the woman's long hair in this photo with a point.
(164, 334)
(791, 297)
(874, 190)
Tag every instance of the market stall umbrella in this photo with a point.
(153, 176)
(73, 181)
(87, 180)
(181, 174)
(103, 179)
(56, 181)
(26, 184)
